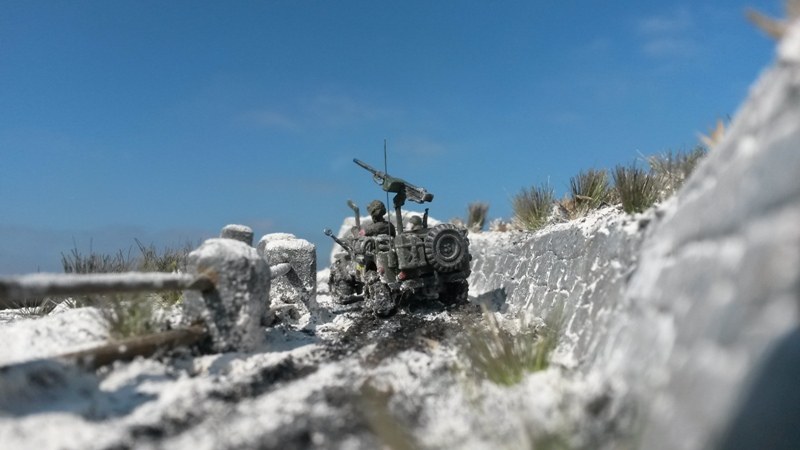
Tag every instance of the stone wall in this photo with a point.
(685, 314)
(580, 266)
(717, 287)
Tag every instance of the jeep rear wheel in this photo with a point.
(456, 293)
(446, 249)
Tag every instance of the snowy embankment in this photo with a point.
(669, 318)
(347, 380)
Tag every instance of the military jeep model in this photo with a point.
(404, 266)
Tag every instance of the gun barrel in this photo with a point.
(330, 234)
(368, 167)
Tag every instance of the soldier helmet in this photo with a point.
(376, 208)
(415, 221)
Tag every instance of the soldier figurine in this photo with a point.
(379, 225)
(416, 223)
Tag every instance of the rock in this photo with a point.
(232, 312)
(238, 232)
(717, 284)
(677, 306)
(293, 296)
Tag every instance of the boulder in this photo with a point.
(293, 294)
(233, 310)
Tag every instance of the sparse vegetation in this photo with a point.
(76, 262)
(458, 221)
(125, 315)
(148, 260)
(637, 188)
(532, 206)
(169, 260)
(673, 168)
(35, 307)
(499, 224)
(589, 190)
(130, 315)
(476, 215)
(504, 358)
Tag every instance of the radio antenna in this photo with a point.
(386, 171)
(385, 161)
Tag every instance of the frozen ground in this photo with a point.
(671, 316)
(346, 380)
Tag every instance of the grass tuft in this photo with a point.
(76, 262)
(533, 206)
(673, 168)
(637, 188)
(169, 260)
(503, 358)
(35, 307)
(130, 315)
(589, 190)
(499, 225)
(149, 260)
(476, 216)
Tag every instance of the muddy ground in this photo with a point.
(333, 384)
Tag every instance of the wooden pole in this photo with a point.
(50, 284)
(127, 349)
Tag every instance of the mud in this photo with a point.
(409, 329)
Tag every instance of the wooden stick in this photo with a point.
(50, 284)
(127, 349)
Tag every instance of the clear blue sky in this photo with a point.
(166, 120)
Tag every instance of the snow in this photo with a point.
(63, 331)
(343, 378)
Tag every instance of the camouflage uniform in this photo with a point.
(416, 223)
(379, 225)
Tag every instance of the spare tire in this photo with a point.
(446, 248)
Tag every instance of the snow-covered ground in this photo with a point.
(670, 314)
(345, 380)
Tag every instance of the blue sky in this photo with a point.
(164, 121)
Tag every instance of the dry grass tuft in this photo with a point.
(77, 262)
(533, 206)
(589, 190)
(476, 216)
(149, 260)
(502, 357)
(35, 307)
(637, 188)
(673, 168)
(131, 315)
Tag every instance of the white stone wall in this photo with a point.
(684, 315)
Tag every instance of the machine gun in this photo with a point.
(401, 188)
(397, 185)
(343, 244)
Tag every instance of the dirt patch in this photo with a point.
(416, 329)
